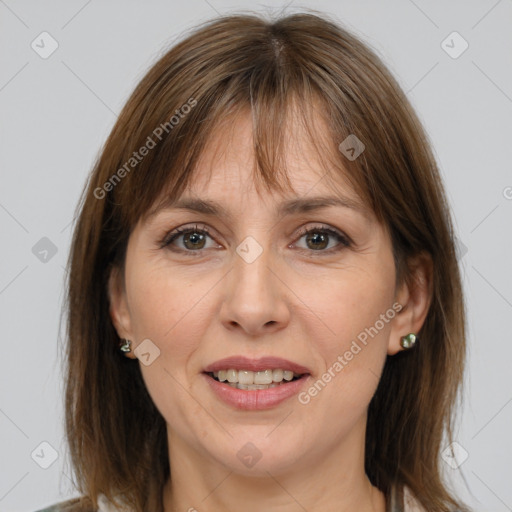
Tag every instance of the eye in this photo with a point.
(318, 238)
(192, 238)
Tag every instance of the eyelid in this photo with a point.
(344, 239)
(169, 236)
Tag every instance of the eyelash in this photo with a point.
(344, 241)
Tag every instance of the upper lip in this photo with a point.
(255, 365)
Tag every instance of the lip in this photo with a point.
(255, 399)
(255, 365)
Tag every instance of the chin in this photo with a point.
(260, 455)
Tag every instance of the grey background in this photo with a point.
(57, 112)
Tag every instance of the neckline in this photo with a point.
(396, 501)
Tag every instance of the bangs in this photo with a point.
(277, 133)
(282, 98)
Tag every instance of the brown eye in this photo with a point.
(319, 238)
(195, 239)
(191, 239)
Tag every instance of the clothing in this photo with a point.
(405, 502)
(399, 503)
(104, 505)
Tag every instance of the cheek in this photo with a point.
(356, 313)
(167, 307)
(352, 301)
(356, 310)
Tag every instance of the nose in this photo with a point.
(255, 298)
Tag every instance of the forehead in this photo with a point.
(228, 160)
(224, 179)
(304, 163)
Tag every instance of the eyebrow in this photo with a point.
(289, 207)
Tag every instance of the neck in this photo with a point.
(330, 482)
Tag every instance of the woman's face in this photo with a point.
(255, 286)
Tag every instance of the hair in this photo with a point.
(246, 63)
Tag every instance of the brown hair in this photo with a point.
(117, 437)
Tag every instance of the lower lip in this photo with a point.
(255, 399)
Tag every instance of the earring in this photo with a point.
(408, 341)
(125, 345)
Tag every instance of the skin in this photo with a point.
(294, 301)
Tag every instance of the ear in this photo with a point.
(118, 307)
(415, 296)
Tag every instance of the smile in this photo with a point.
(249, 380)
(255, 396)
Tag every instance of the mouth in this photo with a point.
(252, 381)
(255, 384)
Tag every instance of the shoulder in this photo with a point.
(83, 504)
(403, 500)
(80, 504)
(411, 504)
(51, 508)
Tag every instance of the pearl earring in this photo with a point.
(125, 345)
(408, 341)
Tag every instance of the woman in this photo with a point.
(265, 307)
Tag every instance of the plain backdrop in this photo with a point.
(57, 110)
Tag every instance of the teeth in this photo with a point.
(277, 375)
(287, 375)
(255, 386)
(246, 377)
(264, 377)
(252, 379)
